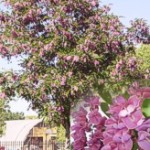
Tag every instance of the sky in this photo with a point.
(130, 9)
(127, 9)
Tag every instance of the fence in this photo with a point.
(19, 145)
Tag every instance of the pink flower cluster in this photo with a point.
(125, 127)
(85, 122)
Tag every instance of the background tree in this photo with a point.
(14, 115)
(143, 54)
(31, 117)
(67, 48)
(61, 134)
(6, 114)
(2, 116)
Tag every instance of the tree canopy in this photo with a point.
(143, 54)
(2, 117)
(14, 115)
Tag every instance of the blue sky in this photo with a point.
(127, 9)
(130, 9)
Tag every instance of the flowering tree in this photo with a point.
(2, 118)
(68, 47)
(126, 128)
(143, 54)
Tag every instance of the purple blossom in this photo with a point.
(144, 135)
(142, 92)
(94, 117)
(68, 58)
(132, 63)
(96, 63)
(93, 102)
(79, 140)
(133, 120)
(114, 133)
(79, 135)
(3, 50)
(120, 140)
(119, 66)
(60, 109)
(63, 80)
(80, 115)
(2, 95)
(129, 111)
(116, 136)
(94, 3)
(144, 139)
(115, 123)
(79, 128)
(75, 58)
(95, 143)
(14, 34)
(49, 46)
(117, 106)
(2, 80)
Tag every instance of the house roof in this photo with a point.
(18, 130)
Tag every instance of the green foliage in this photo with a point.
(14, 115)
(6, 114)
(146, 107)
(61, 134)
(135, 146)
(104, 107)
(31, 117)
(143, 54)
(2, 116)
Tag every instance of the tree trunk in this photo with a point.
(67, 142)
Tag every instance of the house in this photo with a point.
(27, 135)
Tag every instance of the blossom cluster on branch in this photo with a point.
(124, 129)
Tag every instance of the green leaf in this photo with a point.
(135, 146)
(145, 107)
(106, 96)
(96, 56)
(104, 107)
